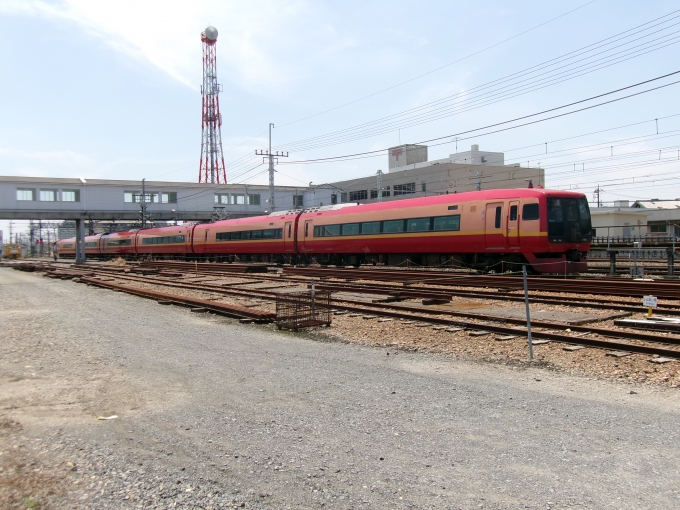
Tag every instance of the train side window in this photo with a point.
(289, 227)
(513, 212)
(256, 234)
(331, 230)
(529, 212)
(372, 227)
(246, 234)
(418, 225)
(393, 226)
(350, 229)
(447, 222)
(234, 236)
(497, 223)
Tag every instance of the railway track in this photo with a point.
(453, 319)
(393, 291)
(610, 287)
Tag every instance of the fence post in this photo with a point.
(526, 304)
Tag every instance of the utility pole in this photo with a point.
(271, 156)
(597, 192)
(478, 182)
(380, 185)
(143, 204)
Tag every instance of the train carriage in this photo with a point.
(66, 248)
(167, 242)
(477, 229)
(261, 238)
(92, 246)
(119, 244)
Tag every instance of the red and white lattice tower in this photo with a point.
(211, 168)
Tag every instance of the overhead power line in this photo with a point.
(439, 68)
(518, 83)
(489, 126)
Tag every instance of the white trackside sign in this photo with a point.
(650, 301)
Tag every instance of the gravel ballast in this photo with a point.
(213, 414)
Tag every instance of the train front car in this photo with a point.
(566, 231)
(256, 239)
(494, 230)
(165, 242)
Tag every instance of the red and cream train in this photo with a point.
(550, 230)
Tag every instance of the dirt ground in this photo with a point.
(207, 413)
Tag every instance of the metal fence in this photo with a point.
(305, 309)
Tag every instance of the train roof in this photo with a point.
(470, 196)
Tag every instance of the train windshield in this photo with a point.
(569, 220)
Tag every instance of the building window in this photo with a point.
(238, 199)
(25, 194)
(222, 198)
(297, 200)
(657, 229)
(136, 198)
(424, 187)
(254, 199)
(374, 194)
(343, 197)
(334, 199)
(169, 197)
(355, 196)
(48, 195)
(70, 195)
(386, 191)
(404, 189)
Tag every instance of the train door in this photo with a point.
(493, 233)
(513, 223)
(288, 241)
(205, 241)
(306, 235)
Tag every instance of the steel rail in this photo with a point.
(384, 309)
(613, 288)
(444, 294)
(221, 308)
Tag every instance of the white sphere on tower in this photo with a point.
(211, 33)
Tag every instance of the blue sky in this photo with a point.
(110, 89)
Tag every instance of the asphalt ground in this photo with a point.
(215, 414)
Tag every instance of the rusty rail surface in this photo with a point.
(229, 310)
(661, 289)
